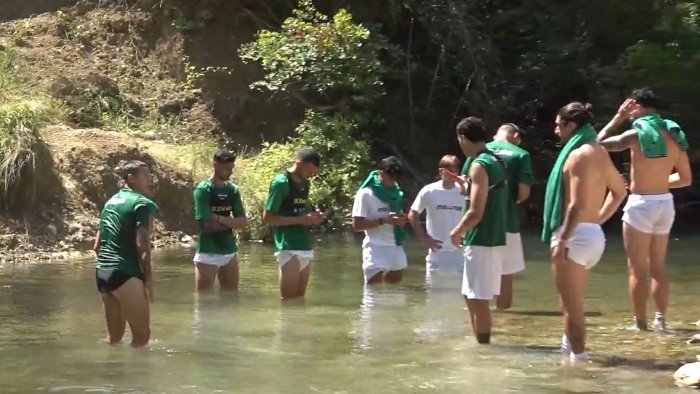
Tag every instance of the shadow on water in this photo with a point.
(550, 313)
(643, 364)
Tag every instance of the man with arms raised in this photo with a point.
(444, 205)
(484, 224)
(219, 210)
(123, 247)
(378, 211)
(288, 211)
(658, 152)
(583, 191)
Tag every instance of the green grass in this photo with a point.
(24, 110)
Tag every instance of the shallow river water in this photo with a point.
(410, 338)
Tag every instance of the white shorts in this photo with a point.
(445, 260)
(376, 259)
(218, 260)
(650, 213)
(514, 259)
(304, 257)
(482, 272)
(585, 246)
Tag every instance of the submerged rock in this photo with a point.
(688, 375)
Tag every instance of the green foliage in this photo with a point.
(315, 52)
(668, 60)
(344, 161)
(19, 131)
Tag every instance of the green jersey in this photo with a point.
(125, 212)
(289, 198)
(491, 230)
(519, 167)
(210, 199)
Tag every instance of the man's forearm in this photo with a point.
(234, 223)
(570, 221)
(362, 224)
(143, 249)
(612, 202)
(279, 221)
(675, 181)
(610, 128)
(469, 221)
(213, 224)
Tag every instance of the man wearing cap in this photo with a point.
(378, 211)
(505, 145)
(288, 212)
(218, 210)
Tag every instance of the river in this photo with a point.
(410, 338)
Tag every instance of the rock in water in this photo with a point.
(694, 339)
(688, 375)
(52, 230)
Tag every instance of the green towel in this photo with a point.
(392, 196)
(554, 196)
(649, 131)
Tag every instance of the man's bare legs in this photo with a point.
(480, 316)
(229, 275)
(571, 280)
(205, 274)
(393, 277)
(505, 300)
(116, 324)
(293, 281)
(659, 281)
(135, 310)
(637, 246)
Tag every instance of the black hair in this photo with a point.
(473, 129)
(224, 156)
(391, 165)
(308, 155)
(646, 98)
(576, 112)
(130, 167)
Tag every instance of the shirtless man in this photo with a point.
(123, 247)
(649, 212)
(584, 190)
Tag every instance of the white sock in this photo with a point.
(577, 358)
(565, 347)
(659, 316)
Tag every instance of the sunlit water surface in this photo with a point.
(409, 338)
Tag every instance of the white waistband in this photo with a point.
(650, 197)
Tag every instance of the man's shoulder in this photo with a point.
(204, 185)
(280, 179)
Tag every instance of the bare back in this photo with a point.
(590, 171)
(650, 176)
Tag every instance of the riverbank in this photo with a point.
(75, 175)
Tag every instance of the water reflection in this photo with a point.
(413, 337)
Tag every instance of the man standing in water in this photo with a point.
(576, 203)
(218, 210)
(484, 224)
(659, 162)
(378, 211)
(288, 211)
(444, 204)
(505, 145)
(123, 247)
